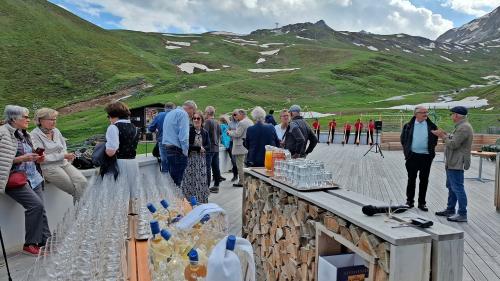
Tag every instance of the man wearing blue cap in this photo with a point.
(298, 135)
(457, 154)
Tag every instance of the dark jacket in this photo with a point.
(258, 136)
(204, 138)
(270, 120)
(214, 133)
(407, 138)
(297, 135)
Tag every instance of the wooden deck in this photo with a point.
(385, 179)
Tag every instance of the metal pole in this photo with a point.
(5, 255)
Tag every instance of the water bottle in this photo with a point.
(194, 270)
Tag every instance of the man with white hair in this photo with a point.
(419, 149)
(238, 136)
(176, 139)
(457, 154)
(258, 136)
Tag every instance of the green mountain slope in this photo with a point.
(49, 57)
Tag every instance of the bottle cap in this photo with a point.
(231, 242)
(155, 227)
(151, 208)
(164, 203)
(165, 234)
(193, 255)
(205, 218)
(177, 218)
(193, 201)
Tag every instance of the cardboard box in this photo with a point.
(343, 267)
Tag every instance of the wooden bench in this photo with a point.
(390, 141)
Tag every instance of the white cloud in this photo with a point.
(243, 16)
(472, 7)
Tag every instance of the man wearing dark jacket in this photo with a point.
(298, 134)
(258, 136)
(419, 149)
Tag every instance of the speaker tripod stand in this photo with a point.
(376, 145)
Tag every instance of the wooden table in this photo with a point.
(481, 155)
(411, 259)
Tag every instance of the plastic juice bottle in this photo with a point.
(196, 234)
(193, 202)
(194, 271)
(154, 212)
(167, 213)
(155, 243)
(230, 242)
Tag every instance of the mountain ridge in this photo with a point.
(480, 30)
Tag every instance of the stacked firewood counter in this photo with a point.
(289, 229)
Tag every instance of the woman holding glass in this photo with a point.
(17, 157)
(194, 182)
(57, 168)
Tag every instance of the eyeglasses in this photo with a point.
(235, 114)
(26, 117)
(196, 118)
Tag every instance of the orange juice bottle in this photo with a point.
(194, 271)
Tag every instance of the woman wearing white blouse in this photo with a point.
(57, 168)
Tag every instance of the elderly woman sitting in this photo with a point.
(20, 176)
(56, 168)
(258, 136)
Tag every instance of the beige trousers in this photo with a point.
(67, 178)
(240, 163)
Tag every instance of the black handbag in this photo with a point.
(99, 154)
(156, 151)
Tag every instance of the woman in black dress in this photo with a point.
(194, 182)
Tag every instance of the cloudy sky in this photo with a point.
(427, 18)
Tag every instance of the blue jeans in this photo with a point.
(456, 191)
(177, 163)
(213, 164)
(163, 157)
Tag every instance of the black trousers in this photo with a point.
(331, 135)
(369, 137)
(347, 133)
(418, 164)
(317, 134)
(356, 137)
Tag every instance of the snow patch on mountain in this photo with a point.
(445, 58)
(189, 67)
(269, 53)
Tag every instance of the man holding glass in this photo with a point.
(419, 145)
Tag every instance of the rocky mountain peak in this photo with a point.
(482, 29)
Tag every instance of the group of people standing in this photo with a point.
(358, 126)
(189, 143)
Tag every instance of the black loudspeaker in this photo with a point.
(378, 125)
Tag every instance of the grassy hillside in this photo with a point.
(49, 57)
